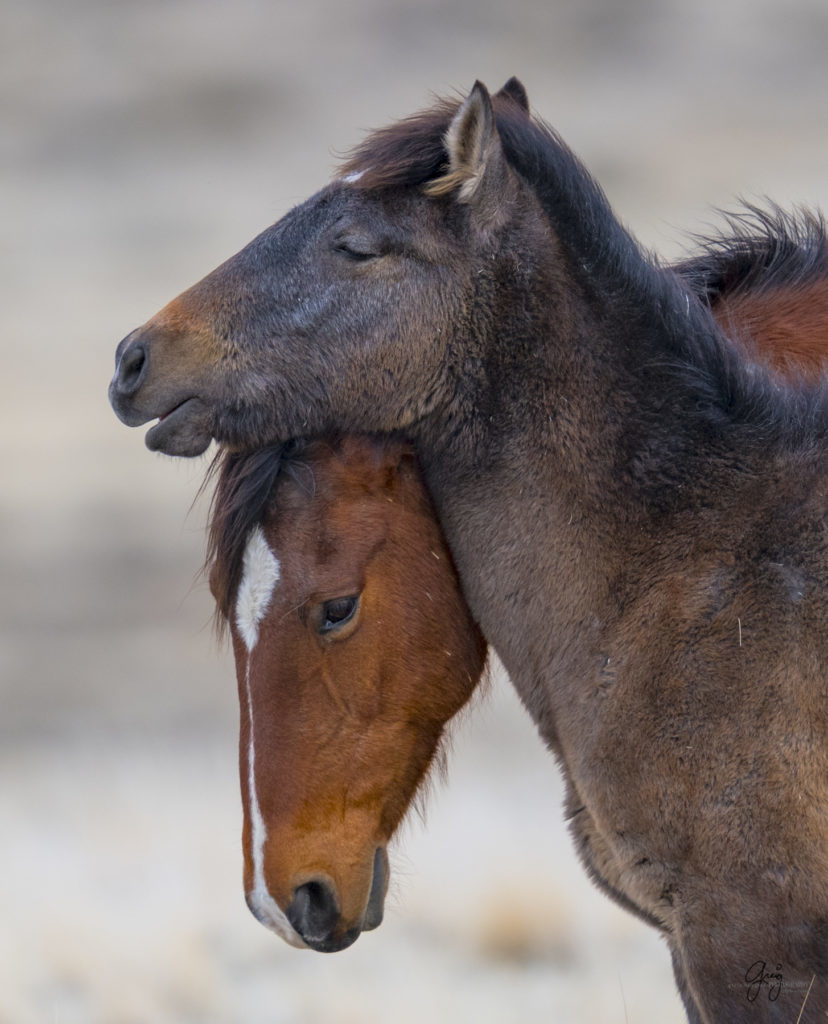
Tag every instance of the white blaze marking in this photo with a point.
(260, 574)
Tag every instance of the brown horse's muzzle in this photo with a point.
(315, 914)
(320, 916)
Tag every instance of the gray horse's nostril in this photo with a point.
(314, 911)
(131, 368)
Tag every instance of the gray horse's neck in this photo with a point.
(547, 488)
(523, 493)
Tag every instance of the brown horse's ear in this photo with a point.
(477, 167)
(513, 90)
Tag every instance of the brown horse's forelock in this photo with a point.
(244, 482)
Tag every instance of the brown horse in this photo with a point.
(637, 513)
(353, 647)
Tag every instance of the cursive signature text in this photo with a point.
(758, 975)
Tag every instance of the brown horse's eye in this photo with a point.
(337, 612)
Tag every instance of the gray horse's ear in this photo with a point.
(514, 90)
(477, 168)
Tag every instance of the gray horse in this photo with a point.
(637, 512)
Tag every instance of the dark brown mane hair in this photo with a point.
(244, 482)
(759, 249)
(407, 153)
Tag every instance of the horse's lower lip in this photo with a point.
(184, 430)
(334, 945)
(182, 406)
(379, 887)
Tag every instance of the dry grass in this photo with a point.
(527, 922)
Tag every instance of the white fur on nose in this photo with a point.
(260, 574)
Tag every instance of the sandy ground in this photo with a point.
(140, 144)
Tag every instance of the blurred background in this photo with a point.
(140, 145)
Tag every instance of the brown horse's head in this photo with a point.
(350, 313)
(353, 648)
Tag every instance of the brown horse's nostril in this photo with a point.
(131, 367)
(314, 912)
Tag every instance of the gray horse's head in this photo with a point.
(352, 312)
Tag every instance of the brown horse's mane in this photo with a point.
(761, 249)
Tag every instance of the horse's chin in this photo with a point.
(185, 431)
(241, 426)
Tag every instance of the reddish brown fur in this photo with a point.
(347, 724)
(785, 326)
